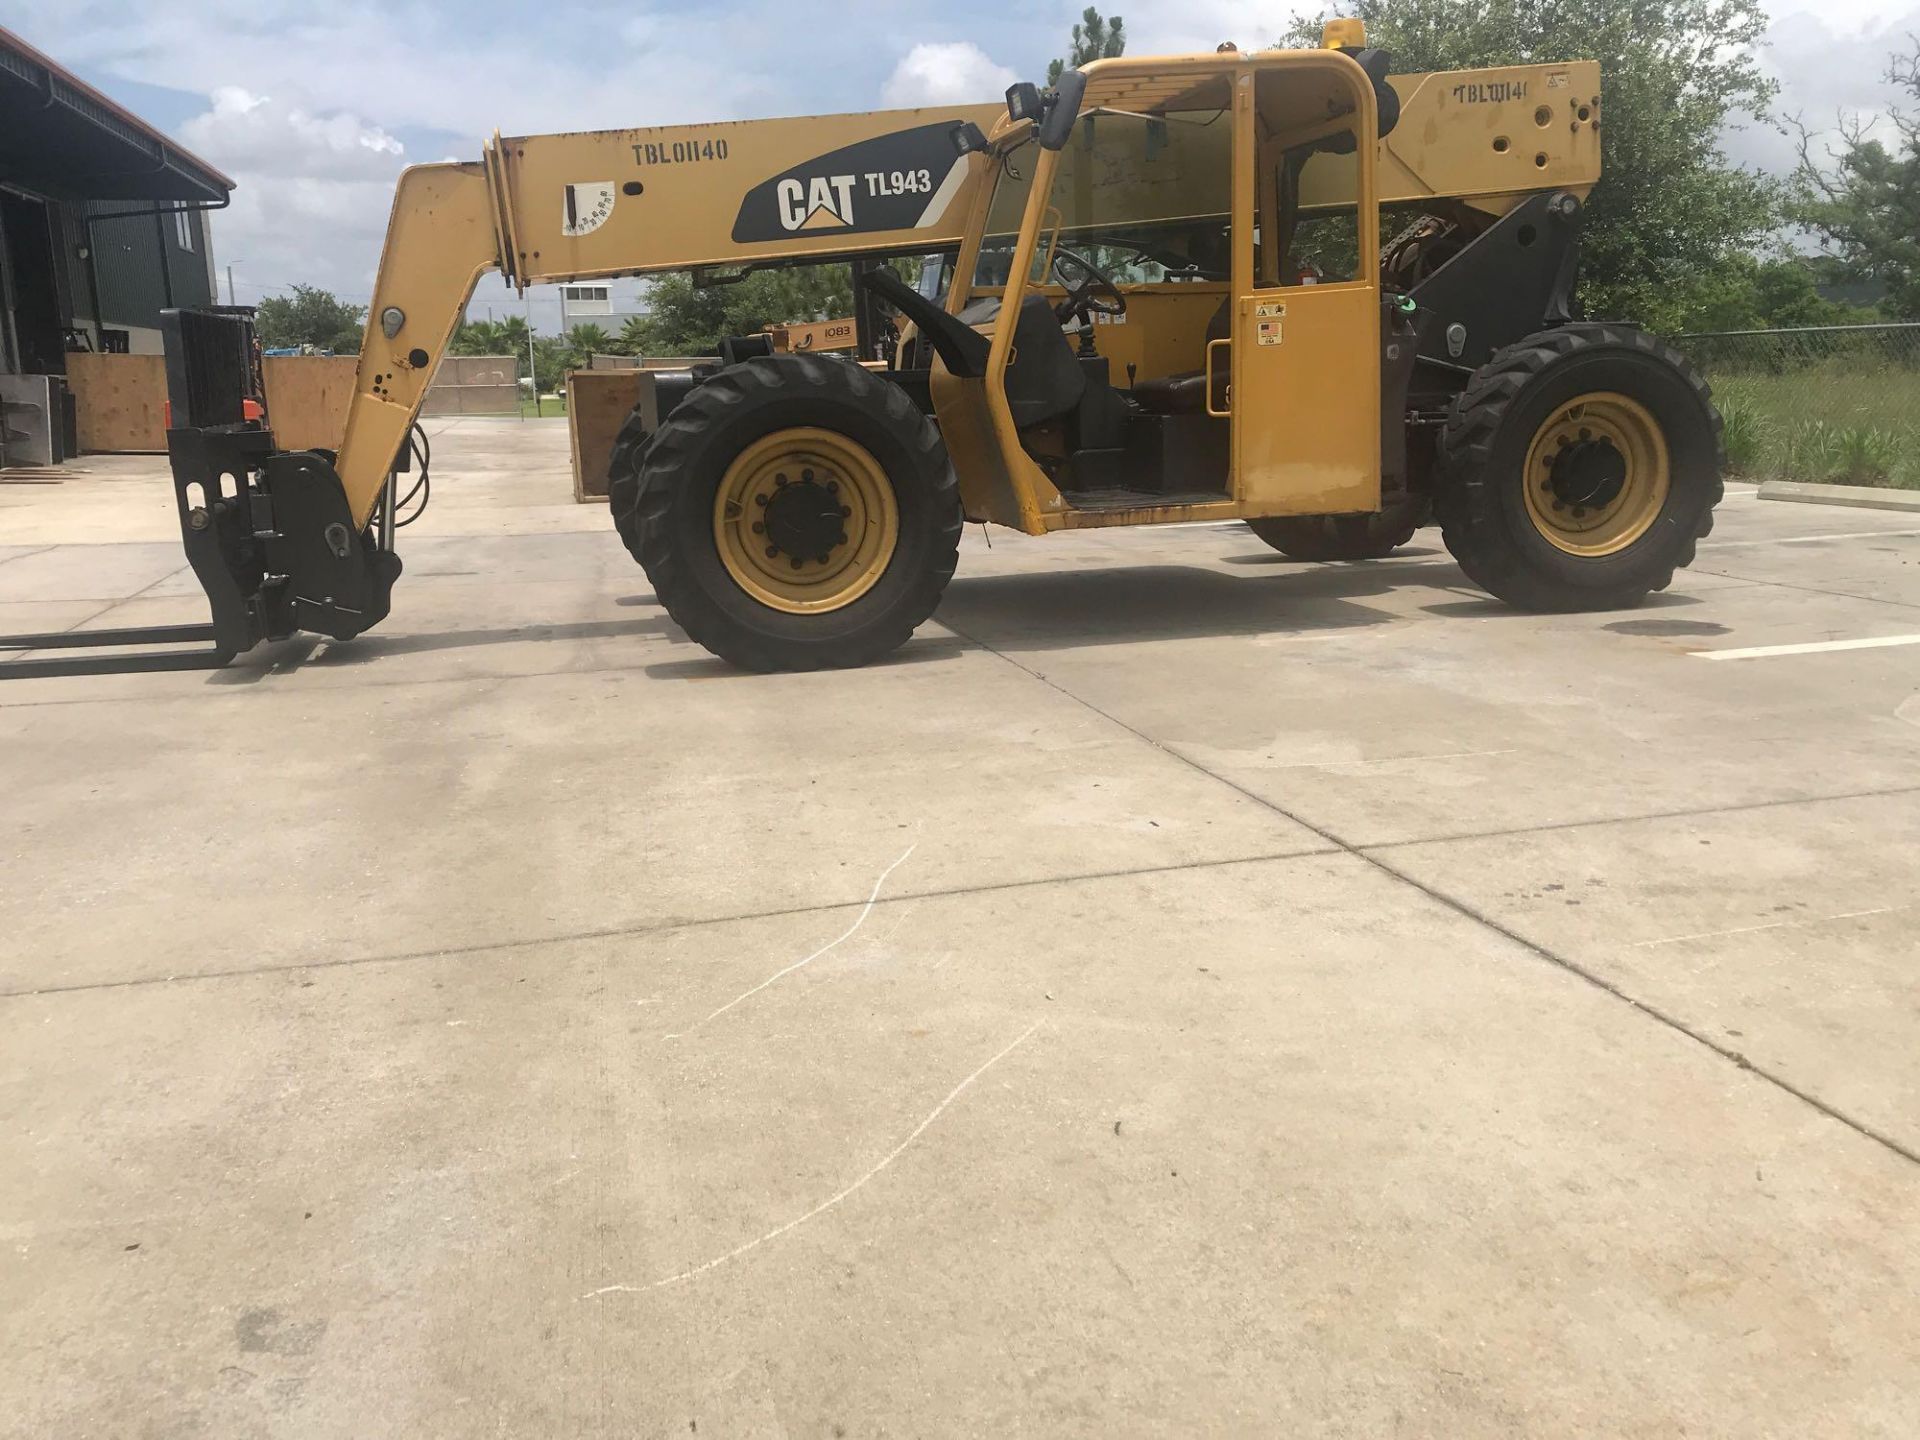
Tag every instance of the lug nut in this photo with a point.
(798, 562)
(779, 479)
(845, 511)
(758, 528)
(806, 475)
(760, 500)
(772, 550)
(834, 486)
(197, 517)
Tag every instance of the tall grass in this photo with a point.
(1840, 422)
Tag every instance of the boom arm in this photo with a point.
(549, 208)
(440, 240)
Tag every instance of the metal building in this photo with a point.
(103, 220)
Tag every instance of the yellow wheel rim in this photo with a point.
(805, 521)
(1597, 474)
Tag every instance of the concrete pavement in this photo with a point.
(1183, 992)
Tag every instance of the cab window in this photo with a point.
(1306, 180)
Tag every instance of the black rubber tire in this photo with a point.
(1343, 537)
(681, 470)
(1483, 448)
(623, 478)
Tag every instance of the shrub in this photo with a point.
(1746, 434)
(1906, 471)
(1813, 451)
(1868, 455)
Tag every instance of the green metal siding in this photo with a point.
(128, 254)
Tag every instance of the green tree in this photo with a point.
(478, 337)
(552, 358)
(586, 340)
(1670, 216)
(310, 316)
(493, 337)
(688, 319)
(632, 336)
(1754, 292)
(1863, 199)
(1093, 39)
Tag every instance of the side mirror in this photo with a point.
(1023, 102)
(1062, 110)
(967, 138)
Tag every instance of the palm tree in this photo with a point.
(478, 337)
(633, 336)
(585, 341)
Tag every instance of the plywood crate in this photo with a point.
(307, 399)
(598, 403)
(120, 402)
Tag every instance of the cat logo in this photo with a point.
(822, 202)
(899, 180)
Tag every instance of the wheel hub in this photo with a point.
(1588, 473)
(803, 519)
(1597, 474)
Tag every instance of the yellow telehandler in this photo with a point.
(1156, 292)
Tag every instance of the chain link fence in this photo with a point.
(1832, 403)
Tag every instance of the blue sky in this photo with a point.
(314, 109)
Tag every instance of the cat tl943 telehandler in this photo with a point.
(1158, 293)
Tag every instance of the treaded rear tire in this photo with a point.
(1343, 537)
(680, 473)
(1482, 453)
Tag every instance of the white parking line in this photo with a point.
(1771, 925)
(1388, 759)
(1816, 647)
(1809, 539)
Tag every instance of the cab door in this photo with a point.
(1304, 391)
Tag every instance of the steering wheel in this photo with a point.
(1094, 293)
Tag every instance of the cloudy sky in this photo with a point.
(313, 109)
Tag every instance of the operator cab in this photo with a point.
(1119, 375)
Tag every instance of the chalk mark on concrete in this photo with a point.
(858, 921)
(827, 1204)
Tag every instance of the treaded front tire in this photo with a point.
(680, 478)
(1343, 537)
(1494, 427)
(623, 478)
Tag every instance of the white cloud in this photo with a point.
(309, 107)
(462, 68)
(1830, 70)
(254, 132)
(1198, 27)
(312, 191)
(954, 73)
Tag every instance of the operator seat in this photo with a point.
(1186, 393)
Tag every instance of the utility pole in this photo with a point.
(229, 284)
(531, 371)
